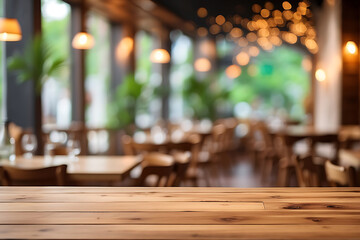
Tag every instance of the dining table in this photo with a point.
(83, 168)
(179, 213)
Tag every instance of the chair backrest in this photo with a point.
(49, 176)
(182, 162)
(327, 139)
(308, 174)
(126, 142)
(339, 175)
(159, 165)
(218, 138)
(289, 141)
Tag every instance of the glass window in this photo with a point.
(56, 90)
(181, 69)
(97, 71)
(149, 104)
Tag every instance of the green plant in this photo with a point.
(122, 110)
(36, 63)
(203, 96)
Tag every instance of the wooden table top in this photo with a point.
(98, 168)
(179, 213)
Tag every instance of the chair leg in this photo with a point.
(282, 176)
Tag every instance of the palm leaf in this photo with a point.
(36, 63)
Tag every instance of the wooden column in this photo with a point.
(78, 21)
(165, 76)
(122, 53)
(351, 74)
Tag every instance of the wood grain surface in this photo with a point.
(83, 168)
(179, 213)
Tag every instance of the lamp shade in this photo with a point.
(10, 29)
(160, 56)
(83, 40)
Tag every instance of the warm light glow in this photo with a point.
(160, 56)
(306, 64)
(202, 12)
(243, 58)
(275, 40)
(286, 5)
(269, 6)
(202, 65)
(254, 51)
(243, 42)
(220, 19)
(202, 32)
(265, 13)
(83, 40)
(236, 32)
(351, 47)
(214, 29)
(311, 45)
(320, 75)
(227, 26)
(10, 30)
(251, 37)
(233, 71)
(124, 48)
(256, 8)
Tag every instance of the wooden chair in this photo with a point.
(287, 161)
(271, 154)
(339, 175)
(126, 142)
(332, 139)
(50, 176)
(308, 174)
(182, 162)
(158, 165)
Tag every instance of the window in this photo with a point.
(181, 69)
(56, 90)
(97, 71)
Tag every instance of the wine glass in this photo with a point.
(29, 144)
(73, 147)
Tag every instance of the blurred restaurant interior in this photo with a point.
(179, 119)
(200, 93)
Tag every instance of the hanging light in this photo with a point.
(10, 29)
(83, 40)
(160, 56)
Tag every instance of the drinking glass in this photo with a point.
(73, 147)
(29, 144)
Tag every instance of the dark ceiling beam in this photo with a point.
(143, 14)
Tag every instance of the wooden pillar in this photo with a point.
(78, 21)
(351, 74)
(23, 106)
(122, 53)
(77, 67)
(165, 76)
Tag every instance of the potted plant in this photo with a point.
(37, 63)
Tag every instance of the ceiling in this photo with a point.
(187, 9)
